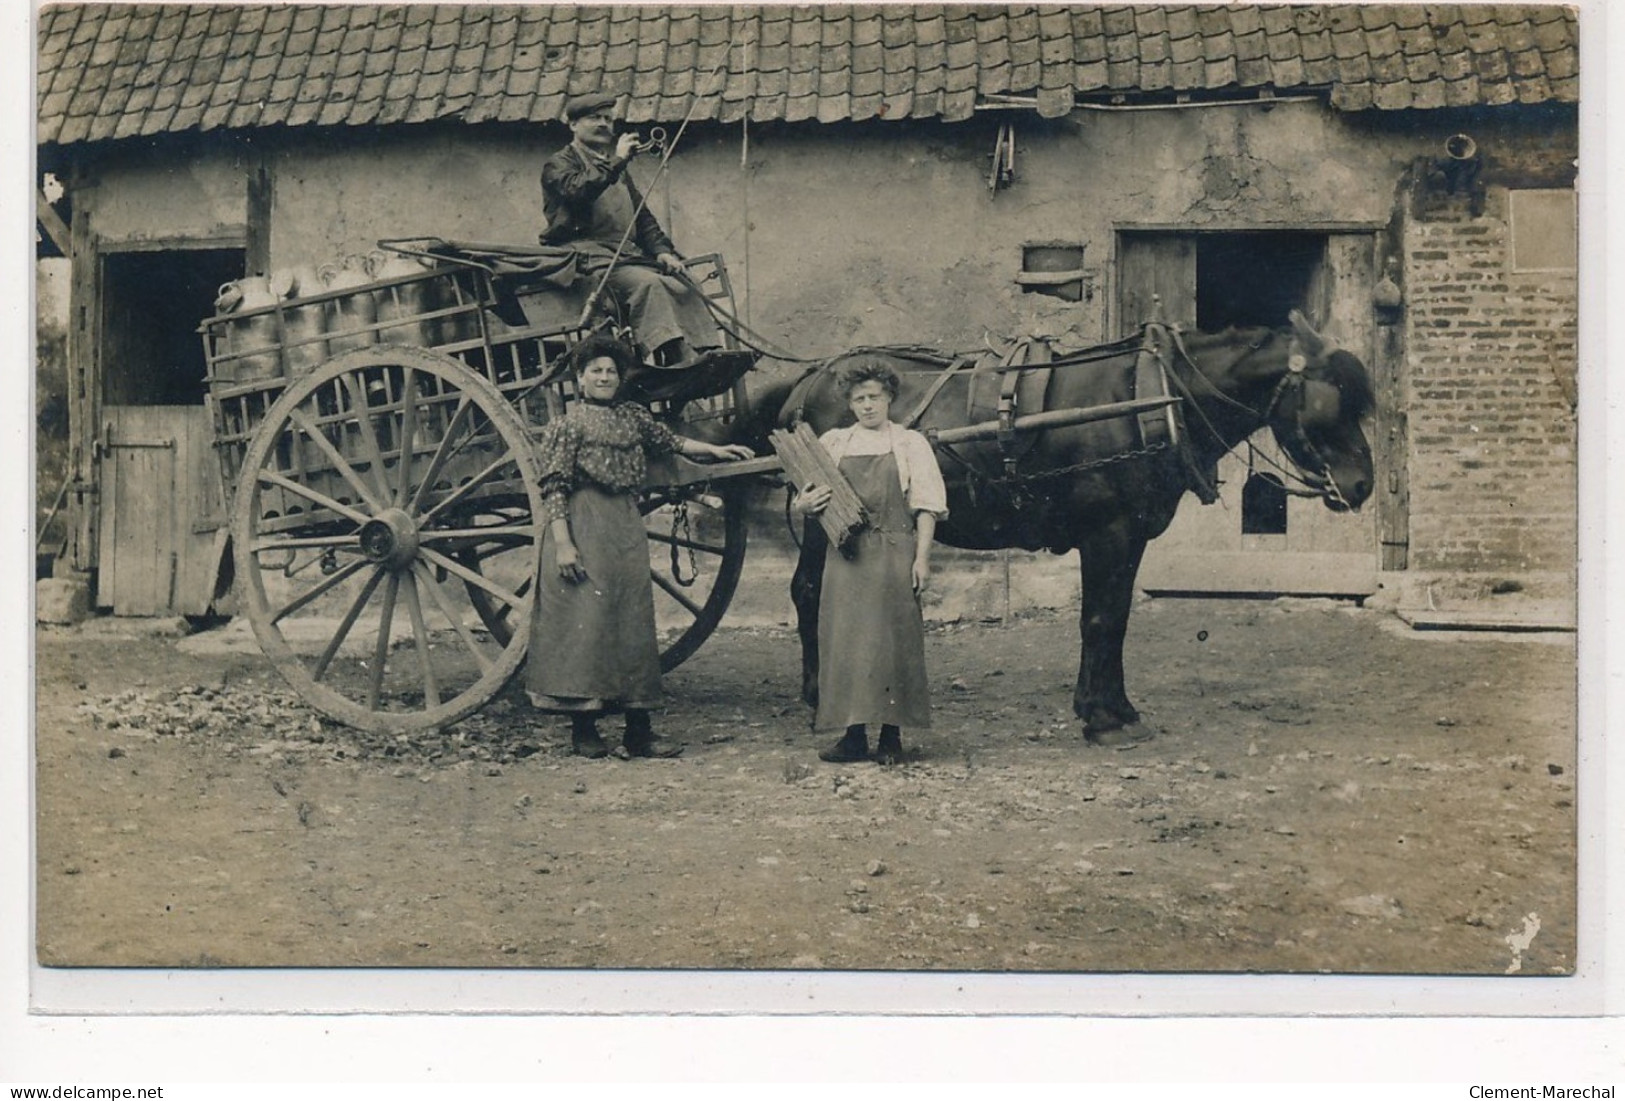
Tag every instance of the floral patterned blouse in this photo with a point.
(600, 445)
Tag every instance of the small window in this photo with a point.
(1053, 268)
(1544, 237)
(1263, 506)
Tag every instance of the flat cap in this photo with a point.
(576, 106)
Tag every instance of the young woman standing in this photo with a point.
(871, 634)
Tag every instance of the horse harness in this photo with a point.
(1025, 371)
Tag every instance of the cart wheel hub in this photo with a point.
(391, 539)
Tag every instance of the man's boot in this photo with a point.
(853, 746)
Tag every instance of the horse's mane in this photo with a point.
(1345, 371)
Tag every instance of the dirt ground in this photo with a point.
(1326, 790)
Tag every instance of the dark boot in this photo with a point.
(890, 749)
(853, 746)
(584, 739)
(640, 740)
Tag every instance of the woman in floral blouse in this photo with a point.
(593, 647)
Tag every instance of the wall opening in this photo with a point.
(1053, 268)
(152, 304)
(1263, 505)
(1254, 278)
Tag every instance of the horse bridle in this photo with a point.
(1297, 366)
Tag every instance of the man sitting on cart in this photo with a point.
(593, 207)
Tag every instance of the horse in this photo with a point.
(1109, 487)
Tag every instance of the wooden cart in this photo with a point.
(375, 442)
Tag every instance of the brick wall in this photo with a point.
(1491, 359)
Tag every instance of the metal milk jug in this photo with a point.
(250, 338)
(349, 316)
(304, 324)
(401, 305)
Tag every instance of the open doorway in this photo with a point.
(1259, 538)
(161, 507)
(152, 304)
(1255, 278)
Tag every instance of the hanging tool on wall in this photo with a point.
(1003, 172)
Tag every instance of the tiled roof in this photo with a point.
(111, 71)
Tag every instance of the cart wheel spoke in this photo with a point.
(688, 544)
(319, 670)
(340, 463)
(271, 477)
(511, 599)
(350, 542)
(501, 536)
(366, 428)
(448, 445)
(462, 492)
(409, 413)
(317, 591)
(670, 589)
(438, 596)
(420, 635)
(380, 651)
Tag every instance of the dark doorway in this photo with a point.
(152, 304)
(1254, 278)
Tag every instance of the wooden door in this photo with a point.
(1206, 550)
(161, 506)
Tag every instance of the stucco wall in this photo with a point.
(862, 234)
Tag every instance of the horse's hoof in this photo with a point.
(1116, 737)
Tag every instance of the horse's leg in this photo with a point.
(1109, 561)
(806, 587)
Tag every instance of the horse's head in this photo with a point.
(1315, 411)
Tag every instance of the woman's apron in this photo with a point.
(592, 642)
(871, 636)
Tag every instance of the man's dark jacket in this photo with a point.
(571, 183)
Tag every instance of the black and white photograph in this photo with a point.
(1002, 490)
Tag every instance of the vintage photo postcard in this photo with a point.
(934, 508)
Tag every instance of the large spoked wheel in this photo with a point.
(381, 491)
(696, 554)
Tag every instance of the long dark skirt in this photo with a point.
(592, 642)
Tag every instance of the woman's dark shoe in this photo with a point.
(640, 740)
(588, 745)
(645, 744)
(584, 738)
(890, 749)
(853, 746)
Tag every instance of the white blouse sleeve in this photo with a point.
(926, 492)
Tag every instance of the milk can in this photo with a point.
(401, 306)
(249, 341)
(349, 316)
(304, 324)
